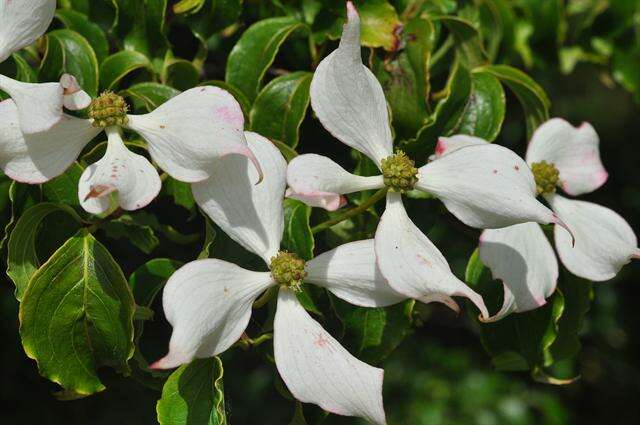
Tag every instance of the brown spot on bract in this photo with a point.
(515, 167)
(163, 126)
(226, 290)
(495, 171)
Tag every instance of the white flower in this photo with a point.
(520, 255)
(184, 136)
(484, 186)
(208, 302)
(40, 106)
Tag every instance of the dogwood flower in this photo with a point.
(521, 256)
(184, 135)
(484, 186)
(208, 302)
(39, 106)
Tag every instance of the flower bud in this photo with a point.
(108, 110)
(287, 269)
(399, 172)
(546, 176)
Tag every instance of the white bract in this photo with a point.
(38, 106)
(184, 136)
(521, 256)
(208, 302)
(484, 186)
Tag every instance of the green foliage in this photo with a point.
(255, 51)
(76, 316)
(281, 106)
(193, 395)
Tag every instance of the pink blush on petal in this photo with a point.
(230, 116)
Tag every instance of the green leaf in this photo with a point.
(22, 258)
(374, 333)
(281, 106)
(194, 395)
(420, 39)
(69, 52)
(486, 108)
(81, 24)
(149, 95)
(21, 197)
(134, 229)
(297, 236)
(180, 73)
(119, 65)
(578, 294)
(180, 192)
(147, 280)
(520, 341)
(64, 188)
(467, 40)
(380, 25)
(188, 6)
(140, 26)
(209, 238)
(77, 316)
(286, 151)
(23, 71)
(533, 98)
(255, 51)
(404, 95)
(214, 16)
(446, 116)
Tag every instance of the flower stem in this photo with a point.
(352, 212)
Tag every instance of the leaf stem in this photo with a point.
(352, 212)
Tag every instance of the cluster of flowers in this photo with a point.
(198, 137)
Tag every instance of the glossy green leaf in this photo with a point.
(212, 17)
(281, 106)
(22, 258)
(119, 65)
(420, 39)
(147, 280)
(21, 197)
(180, 73)
(180, 192)
(532, 97)
(446, 116)
(188, 6)
(380, 25)
(255, 51)
(297, 235)
(520, 341)
(374, 333)
(467, 40)
(149, 95)
(404, 94)
(578, 294)
(485, 111)
(64, 188)
(77, 315)
(69, 52)
(194, 395)
(92, 32)
(24, 72)
(134, 230)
